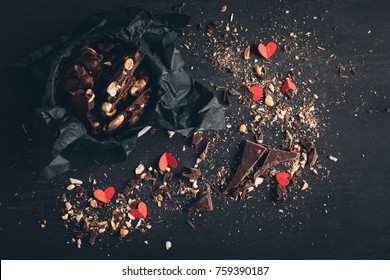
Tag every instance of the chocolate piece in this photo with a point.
(281, 193)
(311, 149)
(251, 155)
(193, 174)
(203, 203)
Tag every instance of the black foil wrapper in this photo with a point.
(179, 103)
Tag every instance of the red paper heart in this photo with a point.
(257, 92)
(267, 51)
(283, 179)
(104, 196)
(140, 212)
(287, 85)
(167, 160)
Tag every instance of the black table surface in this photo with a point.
(346, 216)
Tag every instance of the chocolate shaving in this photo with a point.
(205, 151)
(196, 139)
(193, 174)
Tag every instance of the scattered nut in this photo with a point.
(70, 187)
(170, 133)
(258, 181)
(65, 217)
(93, 203)
(243, 129)
(334, 159)
(140, 168)
(79, 243)
(305, 185)
(76, 182)
(168, 245)
(247, 52)
(129, 63)
(68, 206)
(258, 70)
(123, 232)
(269, 101)
(223, 9)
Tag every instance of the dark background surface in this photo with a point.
(343, 217)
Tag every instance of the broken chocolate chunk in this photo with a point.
(193, 174)
(203, 203)
(281, 193)
(251, 155)
(311, 149)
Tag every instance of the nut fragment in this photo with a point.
(140, 84)
(114, 124)
(65, 217)
(93, 203)
(68, 206)
(223, 9)
(140, 168)
(76, 182)
(334, 159)
(305, 185)
(129, 63)
(247, 52)
(258, 70)
(243, 129)
(269, 101)
(168, 245)
(70, 187)
(111, 89)
(170, 133)
(123, 232)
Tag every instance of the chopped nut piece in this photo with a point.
(93, 203)
(68, 206)
(114, 124)
(247, 52)
(76, 182)
(123, 232)
(168, 245)
(305, 185)
(170, 133)
(243, 129)
(140, 84)
(79, 243)
(70, 187)
(140, 168)
(223, 9)
(332, 158)
(269, 101)
(65, 217)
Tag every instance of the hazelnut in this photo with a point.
(140, 84)
(111, 89)
(129, 63)
(114, 124)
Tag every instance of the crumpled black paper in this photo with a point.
(180, 103)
